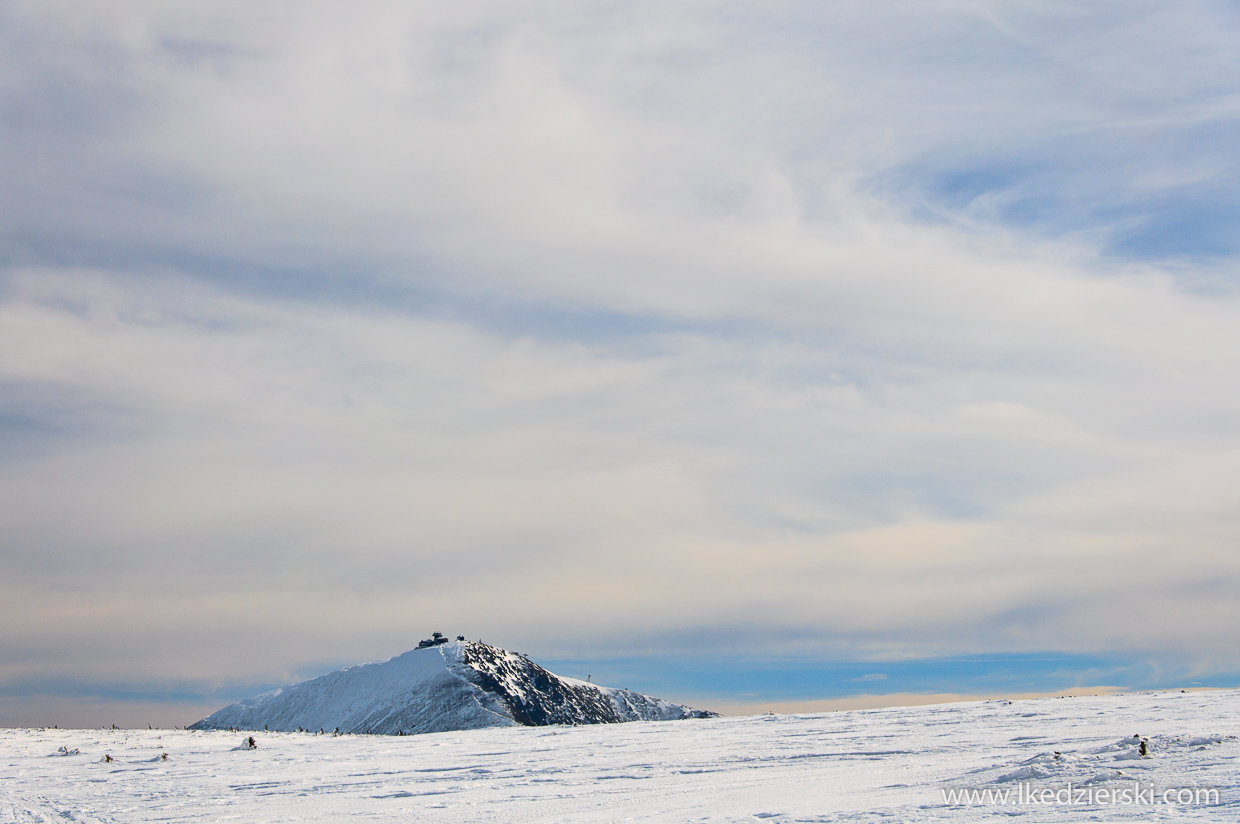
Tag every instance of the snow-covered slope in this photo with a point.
(460, 685)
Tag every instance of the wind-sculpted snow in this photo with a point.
(460, 685)
(970, 762)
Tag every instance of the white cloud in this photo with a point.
(597, 325)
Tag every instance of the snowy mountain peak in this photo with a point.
(441, 686)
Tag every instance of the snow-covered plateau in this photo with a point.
(891, 765)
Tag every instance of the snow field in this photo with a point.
(886, 765)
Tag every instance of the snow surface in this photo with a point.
(885, 765)
(415, 692)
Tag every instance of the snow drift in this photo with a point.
(459, 685)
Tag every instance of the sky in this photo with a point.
(775, 353)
